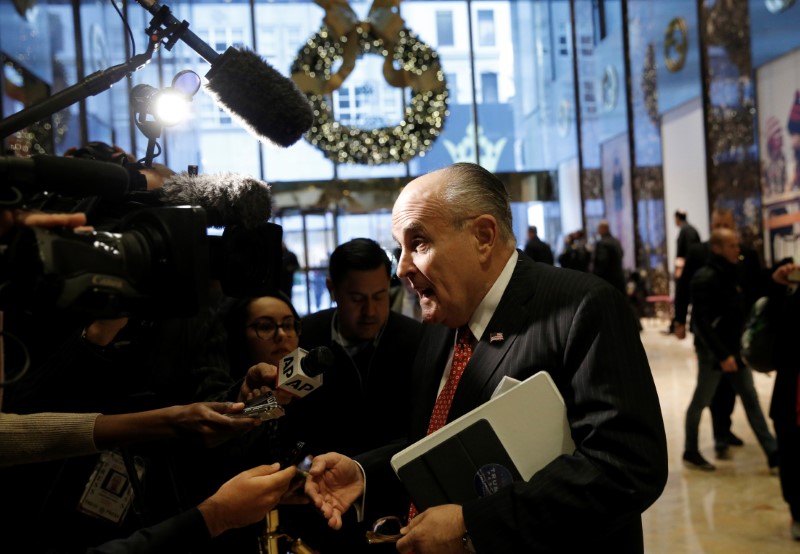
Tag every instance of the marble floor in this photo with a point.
(736, 509)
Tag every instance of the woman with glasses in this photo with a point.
(262, 329)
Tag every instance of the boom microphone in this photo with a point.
(266, 103)
(228, 198)
(300, 373)
(64, 175)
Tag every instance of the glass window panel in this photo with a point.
(486, 28)
(489, 87)
(444, 28)
(211, 139)
(376, 226)
(103, 47)
(67, 121)
(282, 29)
(457, 140)
(497, 83)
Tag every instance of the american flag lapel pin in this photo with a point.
(496, 337)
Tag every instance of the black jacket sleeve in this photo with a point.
(181, 533)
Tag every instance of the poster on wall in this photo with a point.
(616, 162)
(778, 95)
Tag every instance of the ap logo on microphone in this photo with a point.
(301, 373)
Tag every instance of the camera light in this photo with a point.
(171, 107)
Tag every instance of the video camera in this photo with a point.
(144, 257)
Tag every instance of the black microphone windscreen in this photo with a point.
(228, 198)
(262, 100)
(317, 361)
(74, 177)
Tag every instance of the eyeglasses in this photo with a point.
(268, 329)
(385, 530)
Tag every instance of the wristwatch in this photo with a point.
(466, 542)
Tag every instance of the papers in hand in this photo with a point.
(522, 428)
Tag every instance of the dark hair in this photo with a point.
(234, 318)
(680, 214)
(357, 255)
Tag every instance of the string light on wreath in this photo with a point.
(344, 38)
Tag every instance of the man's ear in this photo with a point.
(329, 285)
(486, 233)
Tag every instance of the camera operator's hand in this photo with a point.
(783, 273)
(102, 331)
(22, 218)
(208, 421)
(261, 379)
(246, 498)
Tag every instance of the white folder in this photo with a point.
(529, 418)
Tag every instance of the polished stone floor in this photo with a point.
(736, 509)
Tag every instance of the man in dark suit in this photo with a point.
(607, 261)
(373, 349)
(536, 249)
(365, 390)
(687, 236)
(458, 251)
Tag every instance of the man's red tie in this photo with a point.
(441, 408)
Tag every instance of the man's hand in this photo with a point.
(246, 498)
(680, 331)
(261, 379)
(334, 483)
(439, 529)
(21, 218)
(208, 421)
(728, 365)
(102, 331)
(781, 275)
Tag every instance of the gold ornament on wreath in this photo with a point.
(343, 37)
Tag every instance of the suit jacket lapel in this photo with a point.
(481, 374)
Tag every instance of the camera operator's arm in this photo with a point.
(48, 436)
(206, 420)
(32, 438)
(245, 499)
(22, 218)
(102, 331)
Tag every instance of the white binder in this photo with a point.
(528, 417)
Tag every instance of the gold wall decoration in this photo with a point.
(676, 44)
(649, 85)
(344, 38)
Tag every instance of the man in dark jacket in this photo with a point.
(607, 263)
(363, 401)
(783, 308)
(687, 236)
(718, 320)
(753, 281)
(537, 249)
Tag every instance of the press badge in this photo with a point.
(109, 494)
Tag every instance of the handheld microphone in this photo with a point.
(228, 198)
(300, 373)
(267, 104)
(64, 175)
